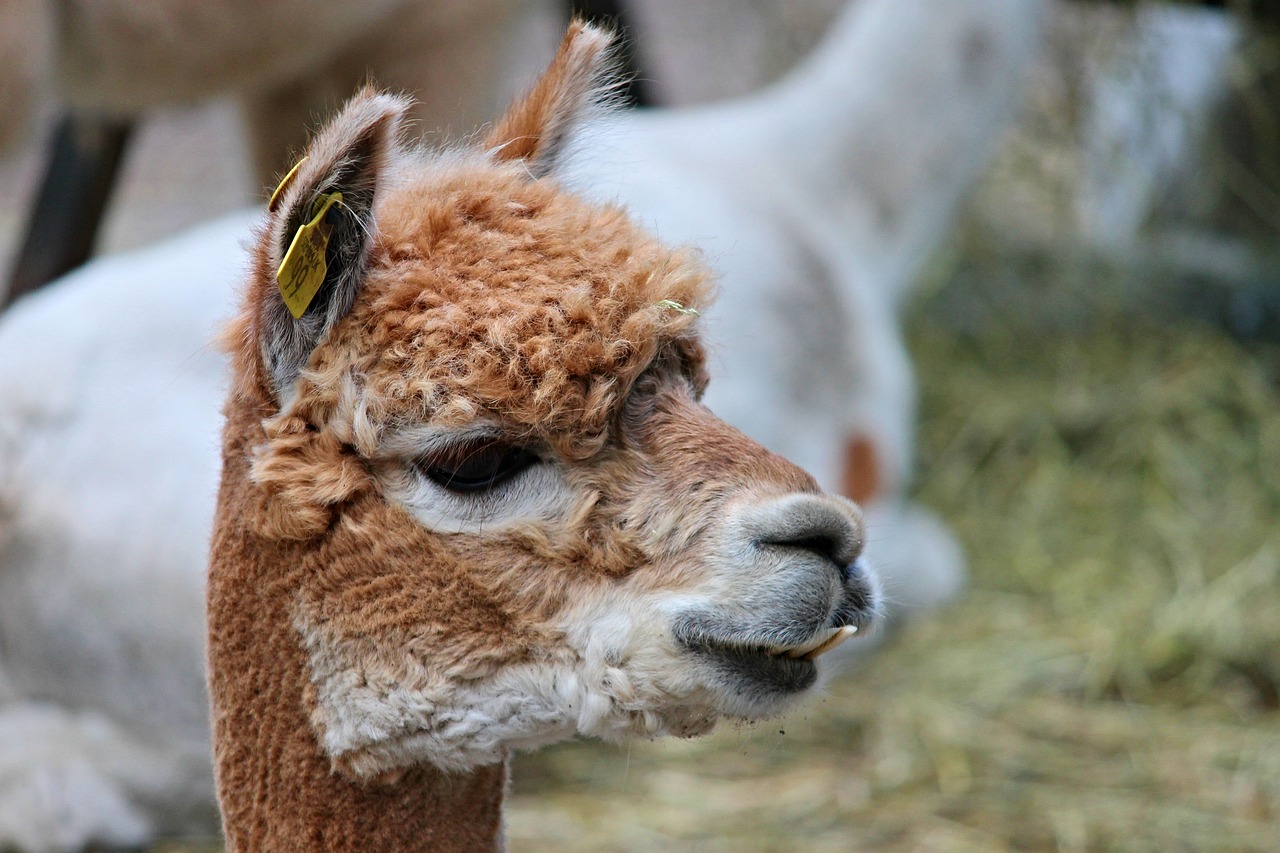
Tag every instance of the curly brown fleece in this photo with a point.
(486, 294)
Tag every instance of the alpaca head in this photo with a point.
(504, 514)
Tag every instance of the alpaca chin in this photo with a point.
(371, 726)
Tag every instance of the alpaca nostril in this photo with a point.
(828, 547)
(810, 523)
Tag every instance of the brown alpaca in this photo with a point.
(470, 502)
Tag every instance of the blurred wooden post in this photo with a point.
(84, 162)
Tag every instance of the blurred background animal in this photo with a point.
(285, 61)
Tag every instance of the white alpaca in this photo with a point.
(104, 515)
(1143, 113)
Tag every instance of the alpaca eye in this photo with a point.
(477, 466)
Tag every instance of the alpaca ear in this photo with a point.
(320, 228)
(539, 124)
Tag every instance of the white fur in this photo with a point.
(1144, 113)
(620, 675)
(537, 493)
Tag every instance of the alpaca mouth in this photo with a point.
(764, 667)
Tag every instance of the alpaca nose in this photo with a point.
(830, 528)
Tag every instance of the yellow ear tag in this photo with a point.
(303, 269)
(284, 185)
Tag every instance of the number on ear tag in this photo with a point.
(303, 269)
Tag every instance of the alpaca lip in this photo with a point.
(756, 668)
(774, 668)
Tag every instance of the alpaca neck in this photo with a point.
(290, 801)
(276, 787)
(298, 805)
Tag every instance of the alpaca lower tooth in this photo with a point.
(834, 640)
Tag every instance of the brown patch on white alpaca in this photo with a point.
(860, 478)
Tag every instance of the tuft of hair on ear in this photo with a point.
(347, 157)
(582, 77)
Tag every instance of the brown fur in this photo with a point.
(484, 296)
(284, 61)
(549, 306)
(277, 789)
(861, 479)
(535, 130)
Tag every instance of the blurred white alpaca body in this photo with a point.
(108, 468)
(110, 393)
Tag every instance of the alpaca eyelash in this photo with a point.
(476, 467)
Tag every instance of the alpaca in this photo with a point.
(470, 500)
(104, 516)
(1178, 57)
(285, 60)
(288, 61)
